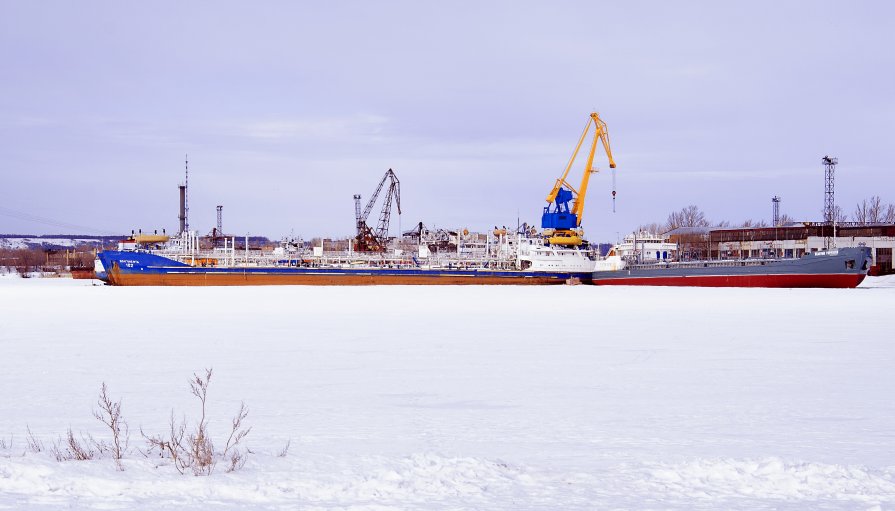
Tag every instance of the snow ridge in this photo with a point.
(422, 479)
(771, 478)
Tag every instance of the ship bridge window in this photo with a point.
(849, 264)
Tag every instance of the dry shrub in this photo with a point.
(109, 413)
(232, 452)
(73, 449)
(201, 449)
(285, 450)
(171, 444)
(195, 452)
(35, 444)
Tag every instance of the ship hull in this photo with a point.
(143, 269)
(769, 280)
(843, 268)
(326, 279)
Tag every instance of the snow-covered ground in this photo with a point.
(569, 397)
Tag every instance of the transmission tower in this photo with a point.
(829, 200)
(220, 228)
(776, 214)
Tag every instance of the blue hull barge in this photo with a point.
(136, 268)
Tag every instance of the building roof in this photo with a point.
(680, 231)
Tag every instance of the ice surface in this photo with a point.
(568, 397)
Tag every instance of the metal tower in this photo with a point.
(357, 217)
(220, 229)
(776, 214)
(830, 177)
(186, 197)
(829, 200)
(182, 216)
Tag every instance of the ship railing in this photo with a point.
(345, 260)
(719, 263)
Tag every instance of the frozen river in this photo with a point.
(568, 397)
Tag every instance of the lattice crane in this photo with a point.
(368, 239)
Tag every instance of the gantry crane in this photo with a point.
(560, 221)
(367, 239)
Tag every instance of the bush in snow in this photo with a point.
(85, 447)
(195, 452)
(73, 449)
(109, 413)
(35, 445)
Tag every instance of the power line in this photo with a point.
(28, 217)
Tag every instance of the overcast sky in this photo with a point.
(287, 109)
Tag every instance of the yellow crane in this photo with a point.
(561, 223)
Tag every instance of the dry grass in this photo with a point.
(285, 450)
(195, 452)
(35, 444)
(74, 449)
(109, 413)
(190, 449)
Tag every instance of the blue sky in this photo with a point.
(287, 109)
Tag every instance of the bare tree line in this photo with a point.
(868, 211)
(31, 259)
(873, 211)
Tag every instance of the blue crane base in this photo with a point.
(559, 220)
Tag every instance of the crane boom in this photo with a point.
(558, 215)
(394, 190)
(375, 196)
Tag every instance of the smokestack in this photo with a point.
(182, 216)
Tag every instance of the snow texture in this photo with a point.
(568, 397)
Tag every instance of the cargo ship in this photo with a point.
(511, 260)
(834, 268)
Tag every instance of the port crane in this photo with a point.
(561, 221)
(368, 239)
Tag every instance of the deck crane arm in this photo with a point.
(561, 217)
